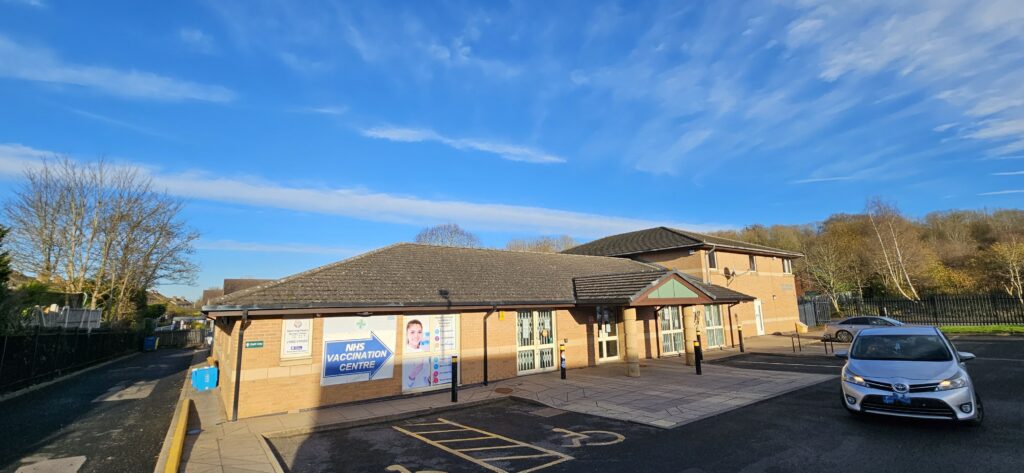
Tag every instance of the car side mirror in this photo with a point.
(844, 354)
(965, 356)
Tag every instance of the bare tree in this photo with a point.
(543, 244)
(900, 251)
(99, 230)
(1008, 257)
(829, 265)
(448, 234)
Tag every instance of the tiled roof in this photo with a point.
(409, 274)
(624, 287)
(664, 238)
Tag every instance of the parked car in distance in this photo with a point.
(909, 372)
(844, 330)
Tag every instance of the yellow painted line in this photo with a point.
(496, 447)
(460, 440)
(559, 457)
(178, 439)
(515, 457)
(440, 431)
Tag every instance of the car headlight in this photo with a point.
(852, 378)
(956, 382)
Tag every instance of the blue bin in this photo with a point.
(150, 343)
(204, 379)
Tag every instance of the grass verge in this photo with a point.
(982, 329)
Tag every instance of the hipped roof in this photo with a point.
(416, 275)
(665, 238)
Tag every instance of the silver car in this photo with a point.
(844, 330)
(909, 372)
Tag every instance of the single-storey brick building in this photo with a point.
(387, 322)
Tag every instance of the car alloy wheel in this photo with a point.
(844, 336)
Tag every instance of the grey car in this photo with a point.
(844, 330)
(908, 372)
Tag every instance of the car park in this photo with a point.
(908, 372)
(846, 329)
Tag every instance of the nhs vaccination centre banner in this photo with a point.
(358, 349)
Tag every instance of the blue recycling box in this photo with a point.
(150, 343)
(204, 379)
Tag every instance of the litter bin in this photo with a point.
(150, 343)
(204, 379)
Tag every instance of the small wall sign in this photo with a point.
(254, 344)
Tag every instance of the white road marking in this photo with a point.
(57, 465)
(139, 390)
(787, 364)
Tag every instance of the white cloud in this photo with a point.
(40, 65)
(325, 110)
(506, 151)
(1011, 191)
(1009, 173)
(118, 123)
(197, 40)
(822, 179)
(233, 245)
(368, 205)
(28, 3)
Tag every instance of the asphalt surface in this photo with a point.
(64, 419)
(805, 430)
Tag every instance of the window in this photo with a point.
(753, 262)
(787, 265)
(712, 259)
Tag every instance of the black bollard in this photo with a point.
(561, 358)
(455, 378)
(698, 355)
(741, 337)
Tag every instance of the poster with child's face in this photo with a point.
(417, 335)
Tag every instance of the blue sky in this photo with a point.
(302, 133)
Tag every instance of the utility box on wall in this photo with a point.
(204, 379)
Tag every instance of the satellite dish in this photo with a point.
(729, 273)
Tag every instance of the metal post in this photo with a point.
(698, 355)
(455, 378)
(792, 343)
(238, 364)
(796, 333)
(740, 330)
(561, 358)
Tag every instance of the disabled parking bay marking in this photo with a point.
(585, 437)
(467, 442)
(139, 390)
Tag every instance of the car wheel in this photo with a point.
(979, 413)
(844, 336)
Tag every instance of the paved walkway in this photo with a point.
(668, 394)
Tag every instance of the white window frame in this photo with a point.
(787, 266)
(537, 347)
(712, 259)
(752, 259)
(663, 332)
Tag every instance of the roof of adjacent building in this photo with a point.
(624, 288)
(235, 285)
(665, 238)
(416, 275)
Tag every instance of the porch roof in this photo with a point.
(629, 287)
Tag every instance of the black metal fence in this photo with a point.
(28, 359)
(934, 310)
(181, 338)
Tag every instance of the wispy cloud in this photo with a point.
(118, 123)
(822, 179)
(324, 110)
(1009, 173)
(233, 245)
(28, 3)
(505, 151)
(198, 40)
(368, 205)
(1010, 191)
(41, 65)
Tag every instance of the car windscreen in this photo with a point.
(900, 347)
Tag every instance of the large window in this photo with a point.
(713, 327)
(671, 329)
(712, 259)
(787, 265)
(752, 260)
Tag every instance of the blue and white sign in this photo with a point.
(358, 349)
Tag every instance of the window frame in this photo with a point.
(752, 262)
(787, 265)
(712, 259)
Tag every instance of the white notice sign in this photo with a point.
(296, 338)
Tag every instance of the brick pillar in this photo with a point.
(689, 332)
(632, 342)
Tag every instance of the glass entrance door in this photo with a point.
(608, 337)
(535, 341)
(671, 330)
(713, 327)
